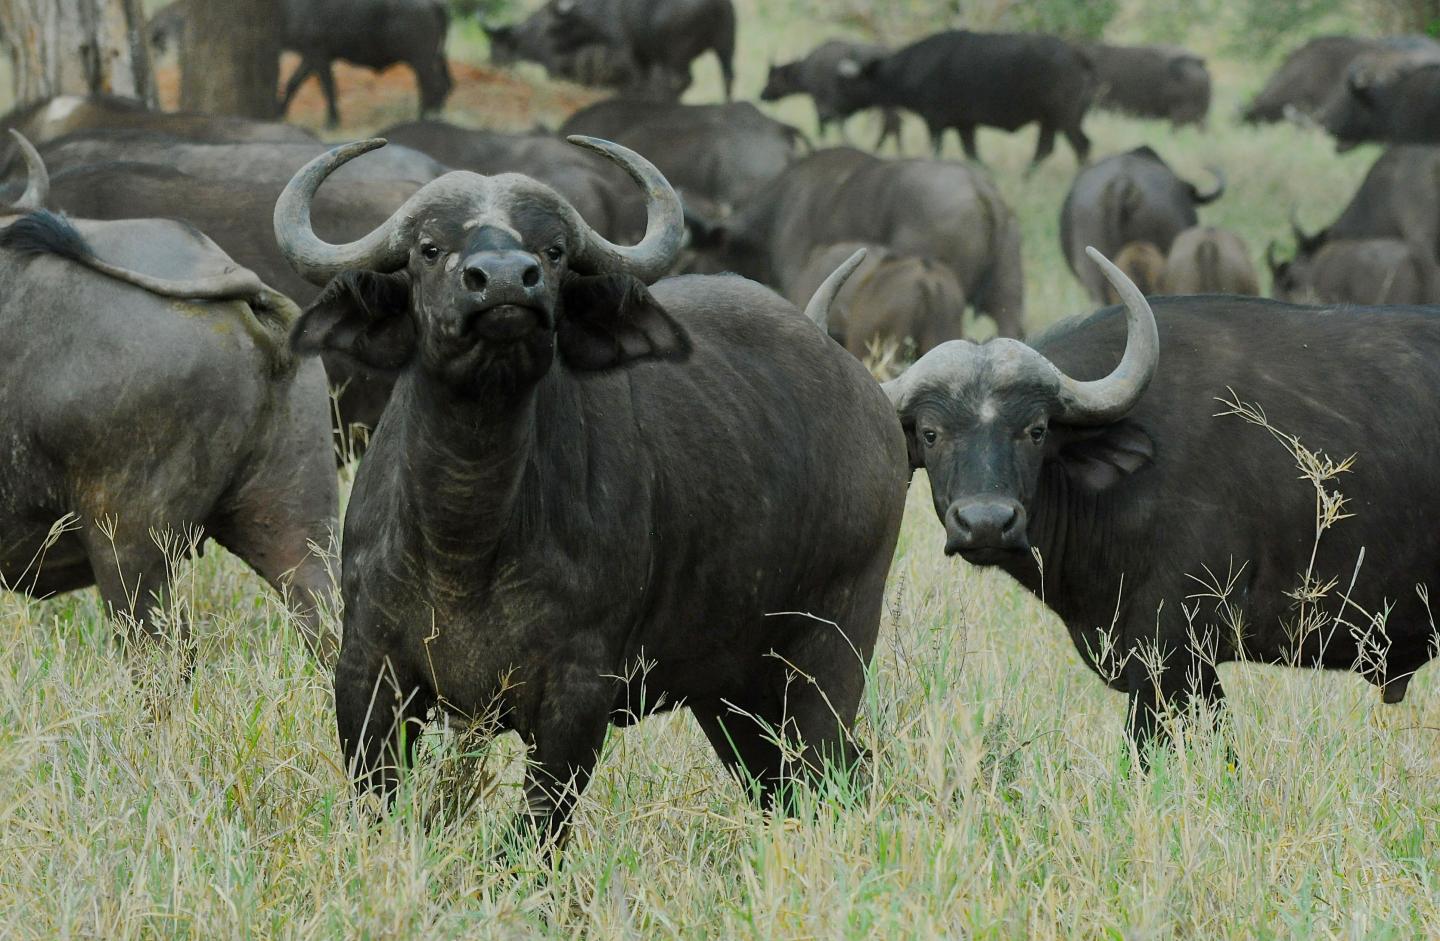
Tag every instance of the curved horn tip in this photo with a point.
(818, 310)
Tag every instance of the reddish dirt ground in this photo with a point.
(368, 100)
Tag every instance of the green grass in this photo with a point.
(998, 805)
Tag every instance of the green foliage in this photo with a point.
(1084, 20)
(486, 10)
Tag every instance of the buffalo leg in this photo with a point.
(747, 750)
(967, 141)
(937, 138)
(132, 574)
(1044, 146)
(379, 710)
(332, 103)
(1078, 143)
(565, 744)
(304, 70)
(1182, 677)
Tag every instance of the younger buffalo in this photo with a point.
(1170, 538)
(1357, 271)
(1152, 82)
(912, 303)
(590, 499)
(1209, 260)
(818, 75)
(1142, 263)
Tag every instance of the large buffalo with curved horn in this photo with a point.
(590, 499)
(149, 394)
(1129, 197)
(1152, 518)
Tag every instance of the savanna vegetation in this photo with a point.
(1000, 801)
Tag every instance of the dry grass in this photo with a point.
(999, 803)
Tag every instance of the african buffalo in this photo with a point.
(723, 152)
(1130, 197)
(1143, 264)
(1168, 530)
(149, 393)
(237, 214)
(1209, 260)
(662, 37)
(374, 34)
(963, 80)
(1398, 199)
(914, 304)
(1152, 82)
(818, 76)
(1357, 271)
(539, 516)
(591, 185)
(929, 208)
(1310, 75)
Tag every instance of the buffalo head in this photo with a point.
(982, 419)
(783, 80)
(478, 280)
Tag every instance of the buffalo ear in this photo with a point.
(898, 391)
(361, 314)
(611, 320)
(1099, 458)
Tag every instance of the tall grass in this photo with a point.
(998, 805)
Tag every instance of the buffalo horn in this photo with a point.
(1105, 400)
(818, 309)
(657, 252)
(37, 185)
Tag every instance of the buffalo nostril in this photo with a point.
(476, 279)
(531, 276)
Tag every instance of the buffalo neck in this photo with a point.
(1066, 531)
(465, 461)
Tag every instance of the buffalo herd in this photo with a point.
(618, 449)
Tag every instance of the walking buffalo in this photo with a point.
(1170, 538)
(818, 75)
(965, 80)
(149, 393)
(1152, 82)
(594, 63)
(1130, 197)
(549, 498)
(1357, 271)
(1308, 78)
(1209, 260)
(927, 208)
(722, 152)
(912, 304)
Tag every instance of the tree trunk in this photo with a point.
(76, 47)
(230, 57)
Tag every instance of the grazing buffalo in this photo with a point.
(1130, 197)
(591, 185)
(1357, 271)
(594, 63)
(965, 80)
(1307, 79)
(1152, 82)
(374, 34)
(238, 215)
(149, 394)
(1170, 538)
(928, 208)
(534, 527)
(913, 304)
(1401, 106)
(723, 152)
(1142, 263)
(818, 75)
(662, 37)
(1209, 260)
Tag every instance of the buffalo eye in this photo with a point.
(1036, 432)
(929, 435)
(555, 253)
(429, 251)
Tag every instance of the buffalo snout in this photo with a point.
(504, 272)
(983, 530)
